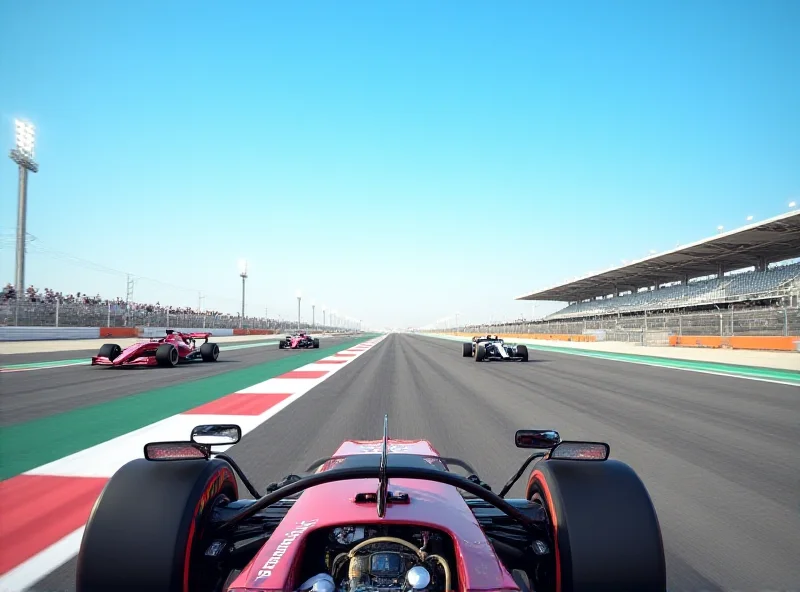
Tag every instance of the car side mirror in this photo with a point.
(216, 434)
(536, 438)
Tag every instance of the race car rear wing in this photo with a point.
(485, 338)
(198, 335)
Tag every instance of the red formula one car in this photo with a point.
(169, 351)
(299, 341)
(377, 516)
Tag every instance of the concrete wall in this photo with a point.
(48, 333)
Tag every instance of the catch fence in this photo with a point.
(656, 329)
(71, 314)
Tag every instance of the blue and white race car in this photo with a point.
(490, 348)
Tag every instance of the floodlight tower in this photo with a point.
(313, 321)
(299, 296)
(324, 324)
(23, 155)
(243, 274)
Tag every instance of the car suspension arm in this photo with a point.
(253, 491)
(518, 474)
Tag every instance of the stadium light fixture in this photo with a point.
(299, 297)
(720, 228)
(243, 275)
(792, 204)
(749, 218)
(23, 155)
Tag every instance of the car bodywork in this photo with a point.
(299, 341)
(491, 348)
(174, 348)
(310, 532)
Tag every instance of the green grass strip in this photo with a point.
(33, 443)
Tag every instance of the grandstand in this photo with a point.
(748, 267)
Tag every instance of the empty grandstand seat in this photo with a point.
(742, 286)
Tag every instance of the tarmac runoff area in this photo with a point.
(719, 455)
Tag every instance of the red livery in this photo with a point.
(377, 516)
(299, 341)
(168, 351)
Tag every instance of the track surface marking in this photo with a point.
(719, 456)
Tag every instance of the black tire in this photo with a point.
(209, 352)
(110, 351)
(167, 355)
(522, 350)
(606, 530)
(316, 343)
(281, 344)
(467, 347)
(480, 352)
(149, 522)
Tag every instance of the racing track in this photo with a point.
(43, 392)
(719, 455)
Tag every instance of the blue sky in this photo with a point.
(434, 157)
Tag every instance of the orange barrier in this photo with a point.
(254, 331)
(761, 343)
(119, 332)
(541, 336)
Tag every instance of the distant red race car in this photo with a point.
(168, 351)
(299, 341)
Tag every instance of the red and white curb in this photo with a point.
(51, 503)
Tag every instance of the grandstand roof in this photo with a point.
(775, 239)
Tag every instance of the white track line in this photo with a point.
(34, 569)
(105, 459)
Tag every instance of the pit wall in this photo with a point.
(757, 343)
(48, 333)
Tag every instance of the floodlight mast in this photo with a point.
(243, 274)
(299, 297)
(23, 155)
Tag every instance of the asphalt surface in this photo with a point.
(39, 393)
(720, 456)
